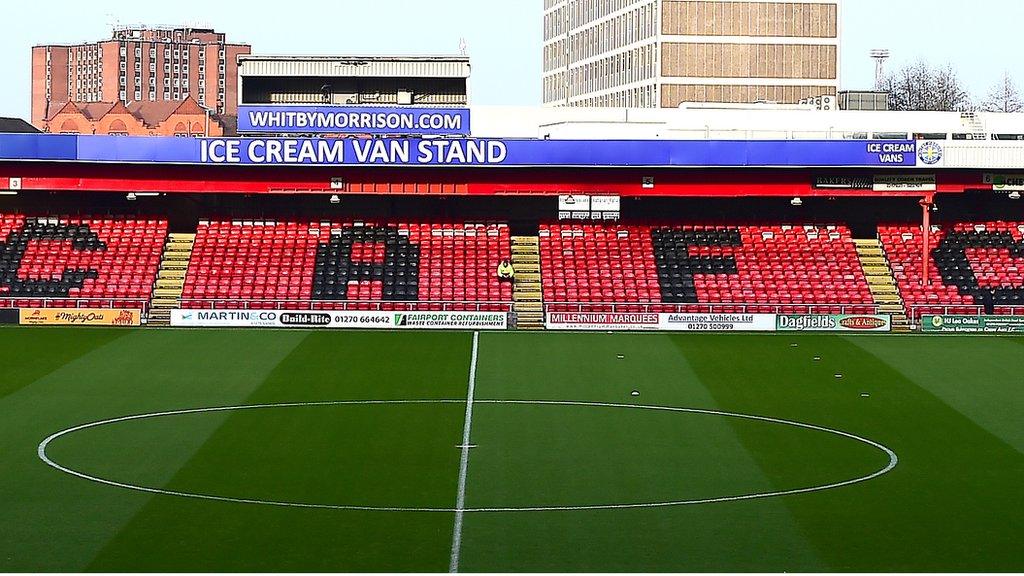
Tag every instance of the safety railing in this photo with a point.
(916, 311)
(711, 308)
(86, 303)
(346, 305)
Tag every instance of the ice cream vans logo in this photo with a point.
(930, 153)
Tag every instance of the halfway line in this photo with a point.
(460, 502)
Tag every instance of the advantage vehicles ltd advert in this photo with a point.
(662, 322)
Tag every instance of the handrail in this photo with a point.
(347, 305)
(916, 311)
(85, 303)
(713, 308)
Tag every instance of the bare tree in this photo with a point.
(919, 86)
(1003, 97)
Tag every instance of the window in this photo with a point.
(167, 95)
(152, 95)
(152, 66)
(152, 52)
(138, 95)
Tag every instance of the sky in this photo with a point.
(504, 36)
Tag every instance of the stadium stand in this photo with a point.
(347, 266)
(974, 267)
(702, 268)
(80, 262)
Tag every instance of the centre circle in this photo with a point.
(569, 450)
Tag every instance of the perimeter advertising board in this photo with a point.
(834, 323)
(661, 322)
(718, 322)
(1009, 324)
(293, 119)
(361, 320)
(79, 317)
(601, 321)
(454, 152)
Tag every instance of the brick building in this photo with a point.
(186, 118)
(150, 65)
(661, 53)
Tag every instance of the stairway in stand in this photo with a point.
(170, 280)
(882, 284)
(527, 296)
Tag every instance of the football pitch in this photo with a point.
(231, 450)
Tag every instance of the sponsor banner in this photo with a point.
(573, 203)
(1005, 182)
(833, 323)
(717, 322)
(905, 183)
(332, 319)
(606, 203)
(601, 321)
(458, 152)
(451, 320)
(662, 322)
(972, 324)
(930, 153)
(353, 120)
(9, 316)
(79, 317)
(844, 182)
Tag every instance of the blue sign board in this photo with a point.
(353, 120)
(459, 152)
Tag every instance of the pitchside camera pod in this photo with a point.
(797, 201)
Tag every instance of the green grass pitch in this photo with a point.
(278, 482)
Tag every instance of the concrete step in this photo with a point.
(876, 280)
(890, 309)
(887, 299)
(171, 275)
(528, 298)
(528, 307)
(167, 293)
(532, 258)
(867, 242)
(165, 303)
(170, 283)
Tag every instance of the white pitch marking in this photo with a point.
(460, 500)
(41, 451)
